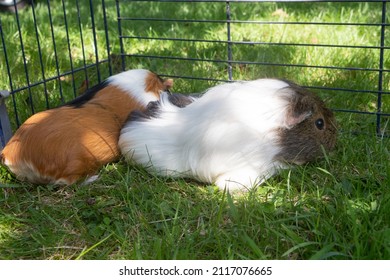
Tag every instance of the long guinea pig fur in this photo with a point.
(235, 135)
(71, 142)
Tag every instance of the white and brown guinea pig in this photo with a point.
(236, 135)
(71, 142)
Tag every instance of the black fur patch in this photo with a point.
(87, 96)
(153, 108)
(152, 111)
(138, 116)
(180, 100)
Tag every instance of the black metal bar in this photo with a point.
(120, 34)
(69, 49)
(252, 42)
(261, 63)
(40, 54)
(24, 59)
(359, 112)
(259, 22)
(55, 50)
(107, 37)
(82, 43)
(229, 44)
(355, 91)
(193, 78)
(380, 74)
(95, 40)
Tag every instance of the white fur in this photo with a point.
(134, 82)
(226, 137)
(27, 172)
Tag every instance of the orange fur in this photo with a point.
(153, 84)
(66, 144)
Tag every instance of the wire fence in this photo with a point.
(51, 51)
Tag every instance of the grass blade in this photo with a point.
(84, 252)
(298, 246)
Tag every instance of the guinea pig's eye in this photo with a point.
(320, 124)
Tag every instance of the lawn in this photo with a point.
(335, 208)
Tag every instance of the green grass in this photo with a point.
(336, 208)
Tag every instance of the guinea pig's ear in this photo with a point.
(300, 108)
(168, 83)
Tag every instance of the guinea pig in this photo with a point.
(72, 142)
(235, 135)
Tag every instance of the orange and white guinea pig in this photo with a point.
(70, 143)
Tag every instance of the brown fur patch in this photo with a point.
(67, 144)
(155, 84)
